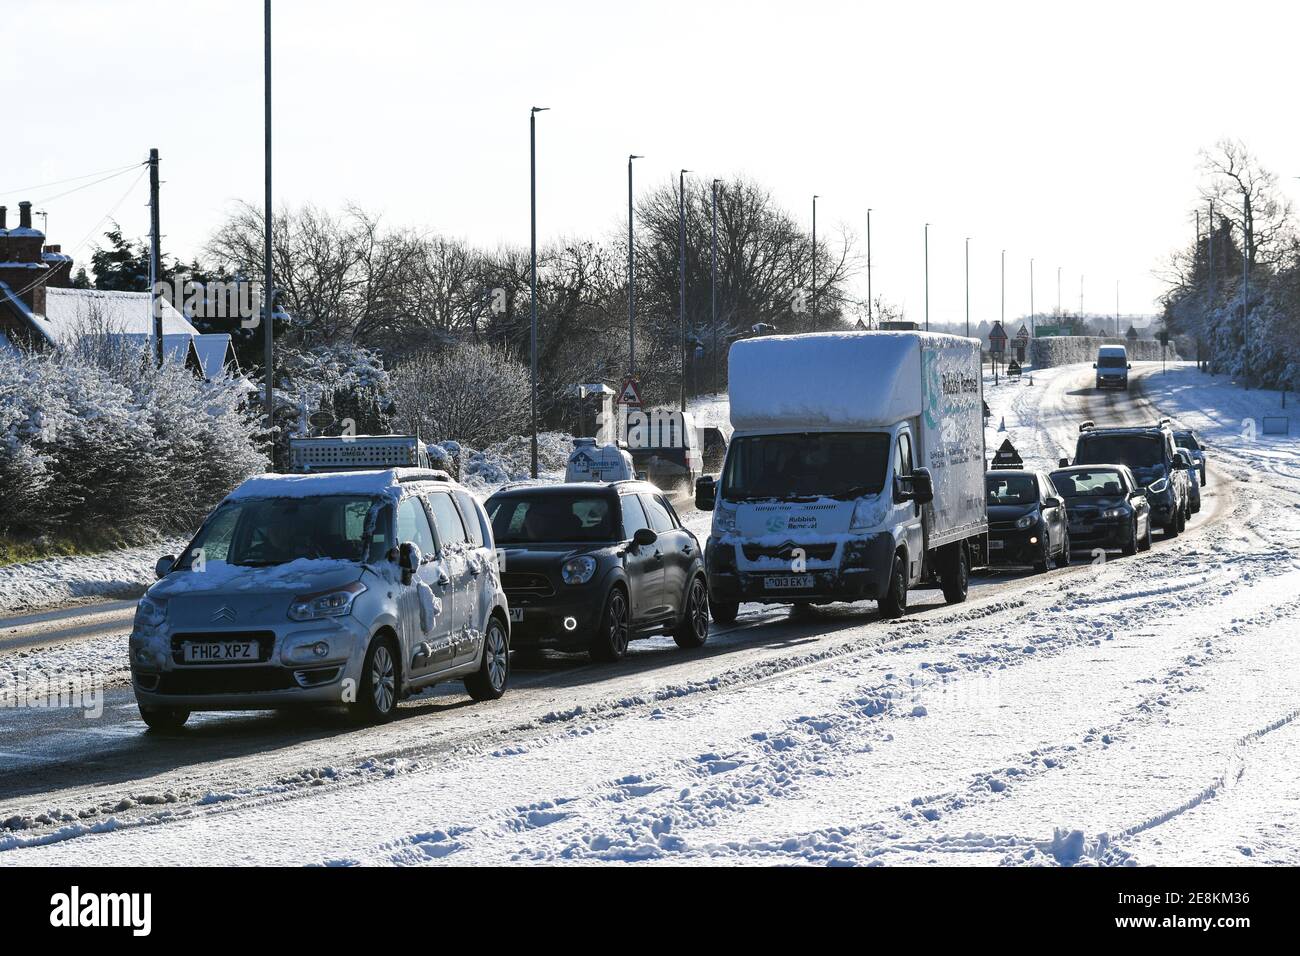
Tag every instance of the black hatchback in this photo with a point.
(1107, 507)
(591, 566)
(1027, 519)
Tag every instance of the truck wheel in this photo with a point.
(724, 612)
(893, 603)
(955, 574)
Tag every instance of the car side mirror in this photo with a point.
(408, 559)
(1063, 463)
(1130, 365)
(1094, 364)
(164, 565)
(644, 537)
(1051, 502)
(706, 492)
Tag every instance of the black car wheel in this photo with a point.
(1203, 481)
(893, 603)
(1044, 555)
(1145, 543)
(1131, 545)
(164, 719)
(692, 629)
(1063, 559)
(610, 642)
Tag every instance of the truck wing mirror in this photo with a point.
(706, 492)
(922, 486)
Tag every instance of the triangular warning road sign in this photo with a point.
(630, 393)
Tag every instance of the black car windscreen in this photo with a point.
(807, 465)
(543, 518)
(1136, 451)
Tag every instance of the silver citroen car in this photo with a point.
(351, 589)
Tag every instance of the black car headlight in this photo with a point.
(578, 570)
(1027, 521)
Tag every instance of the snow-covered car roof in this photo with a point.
(387, 483)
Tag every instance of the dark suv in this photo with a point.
(590, 566)
(1149, 451)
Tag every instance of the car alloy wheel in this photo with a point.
(700, 607)
(497, 654)
(383, 679)
(617, 623)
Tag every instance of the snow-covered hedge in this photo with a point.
(99, 440)
(1056, 350)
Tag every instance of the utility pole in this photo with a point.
(631, 276)
(814, 266)
(868, 268)
(681, 270)
(1117, 308)
(1245, 283)
(968, 287)
(927, 277)
(1004, 289)
(532, 278)
(713, 286)
(1031, 298)
(155, 257)
(1210, 253)
(1080, 296)
(1058, 293)
(268, 263)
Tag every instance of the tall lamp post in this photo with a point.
(713, 285)
(1004, 289)
(868, 268)
(814, 265)
(927, 277)
(532, 277)
(681, 270)
(268, 279)
(968, 287)
(631, 275)
(1031, 298)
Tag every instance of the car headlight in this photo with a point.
(1159, 486)
(578, 570)
(1115, 513)
(150, 612)
(724, 520)
(1027, 521)
(868, 513)
(322, 604)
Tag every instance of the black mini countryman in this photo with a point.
(591, 566)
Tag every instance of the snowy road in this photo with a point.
(1139, 710)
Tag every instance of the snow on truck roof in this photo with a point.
(379, 483)
(824, 379)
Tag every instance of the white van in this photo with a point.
(855, 471)
(1112, 366)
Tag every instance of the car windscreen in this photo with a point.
(1136, 451)
(533, 519)
(1011, 489)
(807, 465)
(257, 532)
(1112, 361)
(1102, 483)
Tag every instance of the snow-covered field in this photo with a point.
(1137, 711)
(55, 581)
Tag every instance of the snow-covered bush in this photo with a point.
(100, 440)
(471, 393)
(1050, 351)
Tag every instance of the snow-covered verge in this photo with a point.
(54, 581)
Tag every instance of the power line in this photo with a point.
(70, 179)
(43, 200)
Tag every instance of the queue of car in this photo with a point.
(367, 578)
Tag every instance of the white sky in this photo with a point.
(1066, 131)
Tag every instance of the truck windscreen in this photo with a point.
(1111, 361)
(809, 465)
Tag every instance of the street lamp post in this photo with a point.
(713, 284)
(1058, 294)
(1080, 296)
(681, 270)
(968, 287)
(868, 268)
(532, 277)
(1031, 298)
(268, 289)
(1117, 308)
(927, 277)
(1004, 289)
(631, 275)
(814, 265)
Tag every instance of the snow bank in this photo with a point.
(53, 581)
(1069, 349)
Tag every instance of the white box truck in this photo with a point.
(855, 471)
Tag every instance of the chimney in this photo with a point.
(24, 215)
(4, 211)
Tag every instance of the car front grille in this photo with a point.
(211, 679)
(785, 552)
(526, 582)
(265, 643)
